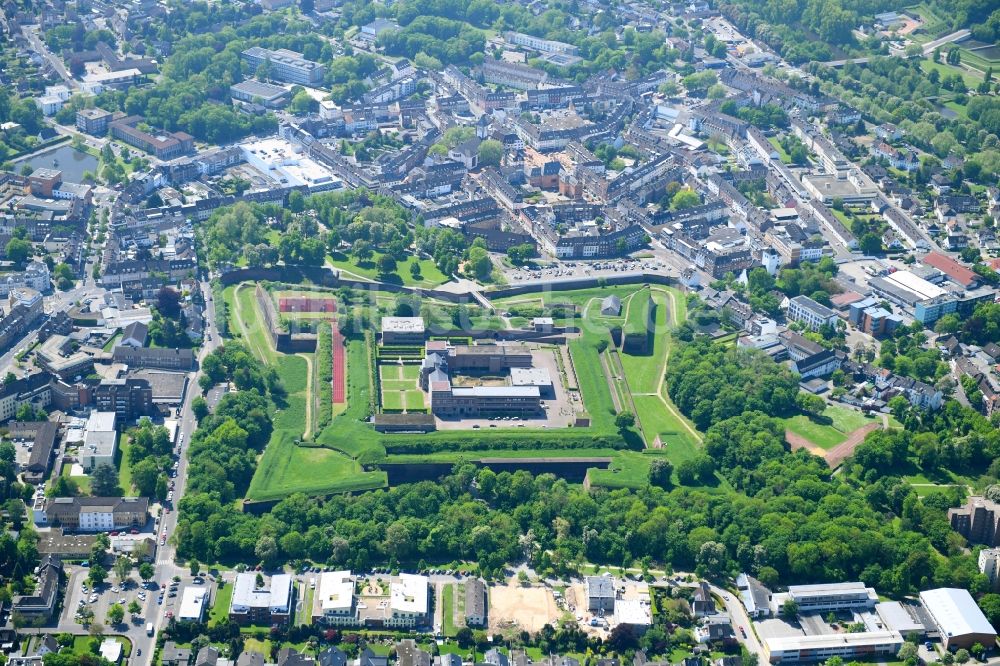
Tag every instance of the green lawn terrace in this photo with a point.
(427, 274)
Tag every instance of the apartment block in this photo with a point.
(814, 315)
(285, 65)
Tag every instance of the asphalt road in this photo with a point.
(166, 567)
(31, 34)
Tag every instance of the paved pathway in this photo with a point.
(845, 449)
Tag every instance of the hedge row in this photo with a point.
(519, 440)
(324, 375)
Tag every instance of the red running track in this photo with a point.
(307, 305)
(339, 379)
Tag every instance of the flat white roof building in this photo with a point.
(287, 164)
(632, 612)
(408, 600)
(530, 377)
(916, 284)
(111, 650)
(403, 324)
(895, 617)
(334, 599)
(402, 330)
(192, 604)
(100, 440)
(957, 617)
(796, 649)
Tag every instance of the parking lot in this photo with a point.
(99, 600)
(571, 269)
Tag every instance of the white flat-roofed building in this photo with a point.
(833, 596)
(915, 284)
(634, 613)
(403, 330)
(957, 617)
(192, 608)
(538, 377)
(111, 650)
(540, 44)
(95, 83)
(408, 601)
(847, 646)
(288, 165)
(267, 94)
(99, 441)
(263, 604)
(333, 603)
(814, 315)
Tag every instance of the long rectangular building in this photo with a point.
(285, 65)
(833, 596)
(164, 145)
(480, 401)
(958, 618)
(847, 646)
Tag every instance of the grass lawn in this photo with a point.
(579, 297)
(347, 432)
(657, 420)
(971, 80)
(81, 645)
(305, 613)
(843, 421)
(448, 610)
(396, 385)
(430, 276)
(388, 372)
(392, 400)
(593, 385)
(286, 468)
(82, 482)
(411, 372)
(414, 399)
(124, 469)
(782, 153)
(644, 372)
(220, 605)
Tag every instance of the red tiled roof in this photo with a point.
(951, 268)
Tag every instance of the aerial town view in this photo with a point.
(499, 332)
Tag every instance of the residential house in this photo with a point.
(174, 655)
(41, 604)
(600, 591)
(475, 603)
(702, 602)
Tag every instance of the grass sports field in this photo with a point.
(826, 435)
